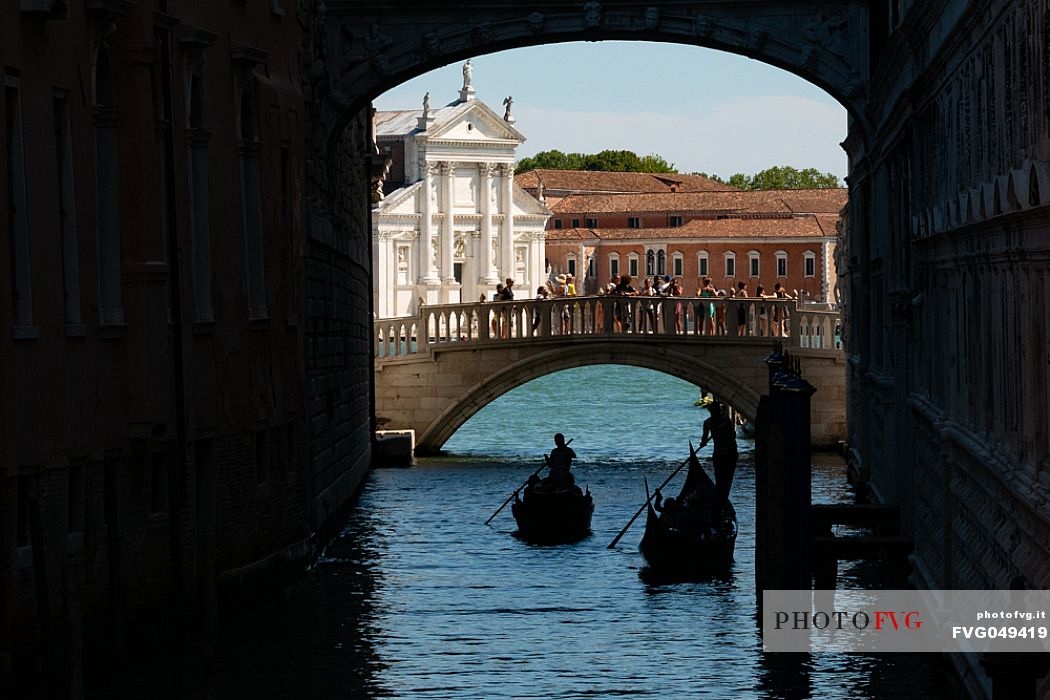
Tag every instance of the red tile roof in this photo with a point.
(806, 226)
(601, 181)
(829, 201)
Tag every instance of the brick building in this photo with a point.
(182, 348)
(677, 228)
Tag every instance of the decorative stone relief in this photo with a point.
(535, 21)
(703, 25)
(756, 39)
(652, 17)
(432, 45)
(831, 33)
(482, 33)
(592, 14)
(809, 56)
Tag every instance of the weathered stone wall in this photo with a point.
(434, 393)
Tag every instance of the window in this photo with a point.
(752, 260)
(632, 265)
(570, 265)
(701, 264)
(557, 223)
(679, 264)
(634, 222)
(650, 263)
(592, 223)
(17, 221)
(67, 210)
(614, 264)
(810, 263)
(575, 223)
(661, 262)
(782, 264)
(674, 221)
(457, 272)
(590, 266)
(730, 264)
(107, 191)
(248, 148)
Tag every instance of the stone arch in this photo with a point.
(369, 54)
(730, 389)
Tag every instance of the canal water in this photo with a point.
(417, 598)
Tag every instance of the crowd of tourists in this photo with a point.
(642, 315)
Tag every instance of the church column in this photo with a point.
(507, 257)
(425, 251)
(537, 270)
(489, 277)
(447, 232)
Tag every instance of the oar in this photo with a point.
(649, 497)
(546, 461)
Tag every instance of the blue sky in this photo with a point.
(701, 109)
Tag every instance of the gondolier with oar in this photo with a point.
(560, 461)
(720, 429)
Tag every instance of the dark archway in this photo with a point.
(369, 53)
(727, 387)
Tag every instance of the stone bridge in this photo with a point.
(435, 371)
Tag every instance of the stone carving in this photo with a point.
(652, 17)
(459, 248)
(495, 252)
(809, 56)
(703, 25)
(426, 105)
(432, 45)
(756, 39)
(535, 21)
(482, 33)
(592, 14)
(832, 33)
(381, 65)
(508, 102)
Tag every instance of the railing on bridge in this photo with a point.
(530, 320)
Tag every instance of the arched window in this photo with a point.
(809, 261)
(661, 262)
(782, 263)
(752, 261)
(650, 262)
(730, 264)
(702, 269)
(677, 263)
(632, 264)
(614, 264)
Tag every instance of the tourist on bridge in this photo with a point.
(720, 429)
(560, 461)
(741, 309)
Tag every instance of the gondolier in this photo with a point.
(720, 429)
(560, 461)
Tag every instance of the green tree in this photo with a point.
(709, 176)
(785, 177)
(608, 160)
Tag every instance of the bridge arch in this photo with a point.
(371, 52)
(731, 387)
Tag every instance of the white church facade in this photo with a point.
(455, 223)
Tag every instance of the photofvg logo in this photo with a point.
(905, 621)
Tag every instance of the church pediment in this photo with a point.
(401, 201)
(473, 121)
(527, 204)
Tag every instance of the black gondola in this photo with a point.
(553, 514)
(703, 536)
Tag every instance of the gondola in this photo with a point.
(553, 513)
(705, 536)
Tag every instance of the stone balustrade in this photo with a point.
(533, 320)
